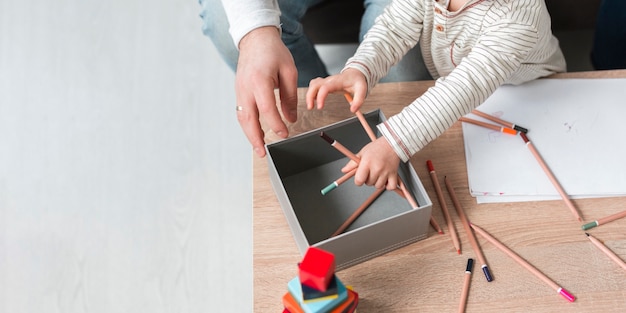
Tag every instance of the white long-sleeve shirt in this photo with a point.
(246, 15)
(470, 53)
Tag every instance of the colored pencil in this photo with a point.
(466, 284)
(500, 121)
(338, 182)
(345, 151)
(607, 251)
(358, 212)
(524, 264)
(470, 234)
(502, 129)
(604, 220)
(402, 187)
(341, 148)
(444, 206)
(361, 118)
(550, 175)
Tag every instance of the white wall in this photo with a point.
(125, 181)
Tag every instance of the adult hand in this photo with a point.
(350, 81)
(378, 165)
(264, 64)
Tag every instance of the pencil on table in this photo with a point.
(444, 206)
(470, 234)
(604, 220)
(341, 148)
(500, 121)
(548, 172)
(358, 212)
(502, 129)
(607, 251)
(435, 225)
(524, 263)
(466, 284)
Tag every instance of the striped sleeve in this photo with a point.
(511, 46)
(395, 32)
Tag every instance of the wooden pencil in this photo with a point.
(345, 151)
(604, 220)
(502, 129)
(361, 118)
(550, 175)
(466, 284)
(470, 233)
(524, 264)
(341, 148)
(444, 206)
(607, 251)
(338, 182)
(402, 187)
(499, 121)
(358, 212)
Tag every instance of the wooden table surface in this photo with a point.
(427, 276)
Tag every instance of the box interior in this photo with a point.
(307, 163)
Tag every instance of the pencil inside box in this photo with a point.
(307, 163)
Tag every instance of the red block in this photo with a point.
(317, 268)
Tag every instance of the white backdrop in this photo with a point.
(125, 181)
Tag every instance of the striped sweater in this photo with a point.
(470, 53)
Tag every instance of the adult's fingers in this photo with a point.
(288, 90)
(248, 118)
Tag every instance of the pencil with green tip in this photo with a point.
(604, 220)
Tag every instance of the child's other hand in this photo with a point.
(349, 81)
(378, 166)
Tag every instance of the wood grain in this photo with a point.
(424, 276)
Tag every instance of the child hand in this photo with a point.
(350, 81)
(378, 166)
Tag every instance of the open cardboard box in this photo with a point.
(301, 166)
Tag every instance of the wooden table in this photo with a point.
(427, 276)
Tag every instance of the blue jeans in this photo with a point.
(215, 26)
(609, 43)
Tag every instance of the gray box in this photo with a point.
(301, 166)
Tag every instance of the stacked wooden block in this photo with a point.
(317, 289)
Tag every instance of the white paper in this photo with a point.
(576, 125)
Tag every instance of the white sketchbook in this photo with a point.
(577, 126)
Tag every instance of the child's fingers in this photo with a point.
(348, 167)
(311, 94)
(360, 90)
